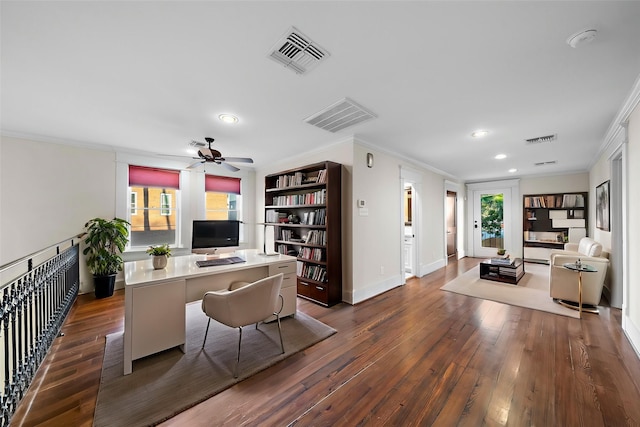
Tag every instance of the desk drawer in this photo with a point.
(289, 281)
(283, 267)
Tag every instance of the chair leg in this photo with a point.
(235, 370)
(280, 332)
(206, 332)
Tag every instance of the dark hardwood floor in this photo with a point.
(412, 356)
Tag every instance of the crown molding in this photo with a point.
(616, 128)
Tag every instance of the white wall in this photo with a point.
(555, 184)
(378, 237)
(48, 192)
(631, 321)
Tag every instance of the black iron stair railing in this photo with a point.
(33, 307)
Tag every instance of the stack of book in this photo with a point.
(511, 272)
(502, 261)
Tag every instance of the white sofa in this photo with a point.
(563, 283)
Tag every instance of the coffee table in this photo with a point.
(499, 271)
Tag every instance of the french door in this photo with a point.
(491, 221)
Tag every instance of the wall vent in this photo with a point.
(340, 115)
(551, 162)
(541, 139)
(197, 144)
(298, 52)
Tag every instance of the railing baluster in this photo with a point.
(32, 310)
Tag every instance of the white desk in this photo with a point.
(154, 318)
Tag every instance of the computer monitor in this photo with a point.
(209, 235)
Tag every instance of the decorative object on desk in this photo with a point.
(502, 251)
(106, 239)
(196, 374)
(602, 206)
(531, 292)
(160, 254)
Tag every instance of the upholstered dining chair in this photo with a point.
(243, 306)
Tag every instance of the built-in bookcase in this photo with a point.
(304, 207)
(551, 220)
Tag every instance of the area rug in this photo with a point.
(167, 383)
(532, 291)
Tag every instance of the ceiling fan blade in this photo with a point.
(230, 167)
(193, 165)
(237, 159)
(175, 155)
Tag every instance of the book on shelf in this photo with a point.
(312, 254)
(316, 237)
(311, 198)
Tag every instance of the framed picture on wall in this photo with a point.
(602, 206)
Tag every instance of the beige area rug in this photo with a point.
(532, 291)
(167, 383)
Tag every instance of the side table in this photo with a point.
(579, 267)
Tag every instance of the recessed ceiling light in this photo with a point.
(581, 38)
(500, 156)
(228, 118)
(513, 170)
(480, 133)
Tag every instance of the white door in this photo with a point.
(491, 222)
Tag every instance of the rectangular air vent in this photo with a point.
(551, 162)
(197, 144)
(297, 52)
(340, 115)
(541, 139)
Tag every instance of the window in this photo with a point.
(165, 204)
(223, 199)
(134, 203)
(153, 193)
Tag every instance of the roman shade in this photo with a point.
(141, 176)
(222, 184)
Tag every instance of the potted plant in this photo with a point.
(160, 254)
(106, 239)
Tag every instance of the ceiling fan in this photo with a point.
(209, 155)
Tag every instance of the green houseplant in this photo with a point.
(160, 254)
(106, 240)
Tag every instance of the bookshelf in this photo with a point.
(551, 220)
(304, 207)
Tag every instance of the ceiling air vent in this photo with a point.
(551, 162)
(541, 139)
(340, 115)
(297, 52)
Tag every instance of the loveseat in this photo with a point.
(563, 283)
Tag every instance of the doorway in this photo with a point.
(409, 233)
(491, 221)
(451, 216)
(410, 190)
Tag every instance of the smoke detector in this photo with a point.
(298, 52)
(581, 38)
(340, 115)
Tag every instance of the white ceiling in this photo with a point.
(152, 76)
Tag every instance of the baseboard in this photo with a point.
(632, 333)
(374, 289)
(431, 267)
